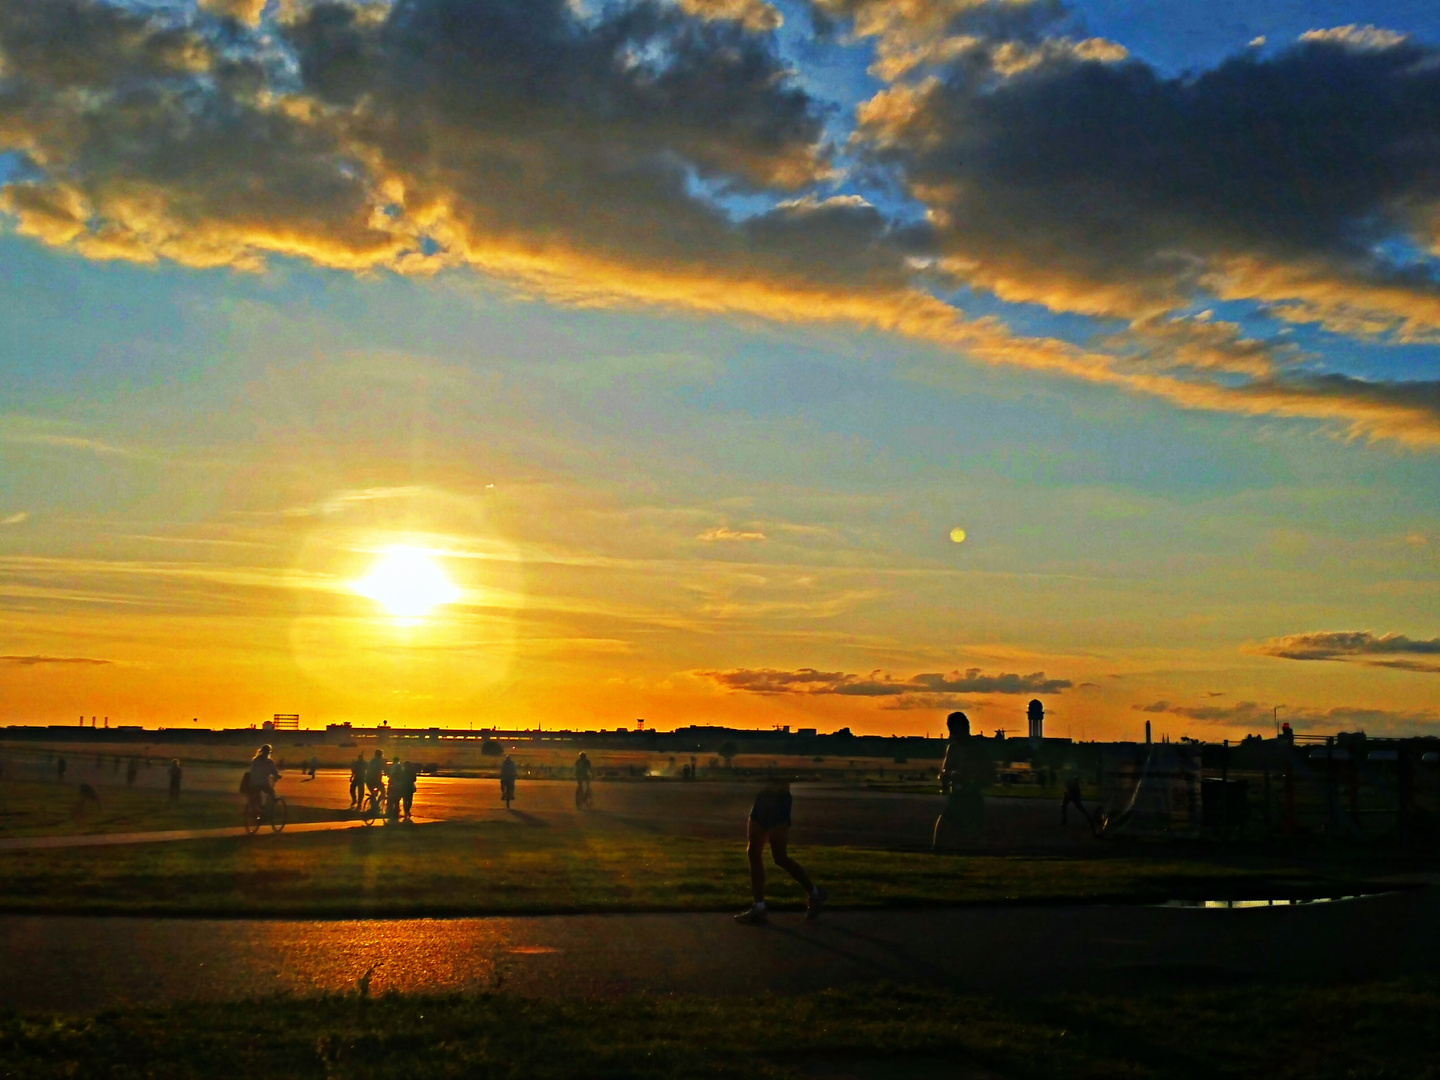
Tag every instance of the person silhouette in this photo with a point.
(965, 773)
(508, 772)
(769, 822)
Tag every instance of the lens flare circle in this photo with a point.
(957, 535)
(407, 583)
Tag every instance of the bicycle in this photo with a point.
(584, 797)
(372, 806)
(272, 811)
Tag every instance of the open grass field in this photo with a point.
(514, 866)
(1375, 1030)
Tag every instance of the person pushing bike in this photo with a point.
(375, 774)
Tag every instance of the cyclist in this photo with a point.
(507, 778)
(263, 775)
(583, 772)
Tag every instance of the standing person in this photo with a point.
(1072, 795)
(60, 770)
(507, 779)
(314, 764)
(770, 821)
(408, 773)
(132, 770)
(357, 781)
(174, 779)
(964, 775)
(583, 772)
(395, 791)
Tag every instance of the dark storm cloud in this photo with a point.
(882, 684)
(1357, 646)
(579, 156)
(512, 136)
(1101, 185)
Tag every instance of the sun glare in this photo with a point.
(408, 583)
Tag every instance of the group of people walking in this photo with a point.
(392, 783)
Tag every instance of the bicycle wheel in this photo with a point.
(279, 814)
(367, 810)
(251, 819)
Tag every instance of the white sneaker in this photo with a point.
(753, 916)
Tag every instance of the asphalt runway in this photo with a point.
(85, 964)
(827, 814)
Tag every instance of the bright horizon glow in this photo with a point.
(408, 583)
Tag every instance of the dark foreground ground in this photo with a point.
(895, 981)
(1387, 1029)
(86, 963)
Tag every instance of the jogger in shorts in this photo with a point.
(770, 821)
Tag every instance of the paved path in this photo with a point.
(85, 963)
(25, 843)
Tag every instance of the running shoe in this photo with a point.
(817, 901)
(753, 916)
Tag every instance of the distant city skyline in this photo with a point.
(834, 364)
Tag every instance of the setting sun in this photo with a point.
(408, 583)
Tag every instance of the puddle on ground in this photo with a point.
(1232, 904)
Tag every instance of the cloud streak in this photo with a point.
(1253, 714)
(36, 660)
(880, 684)
(1357, 646)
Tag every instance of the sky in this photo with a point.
(837, 363)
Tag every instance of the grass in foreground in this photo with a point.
(509, 867)
(32, 809)
(1377, 1030)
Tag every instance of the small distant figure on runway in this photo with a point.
(508, 772)
(60, 770)
(394, 790)
(132, 770)
(174, 779)
(88, 797)
(769, 821)
(1072, 795)
(583, 772)
(964, 775)
(357, 781)
(314, 764)
(403, 781)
